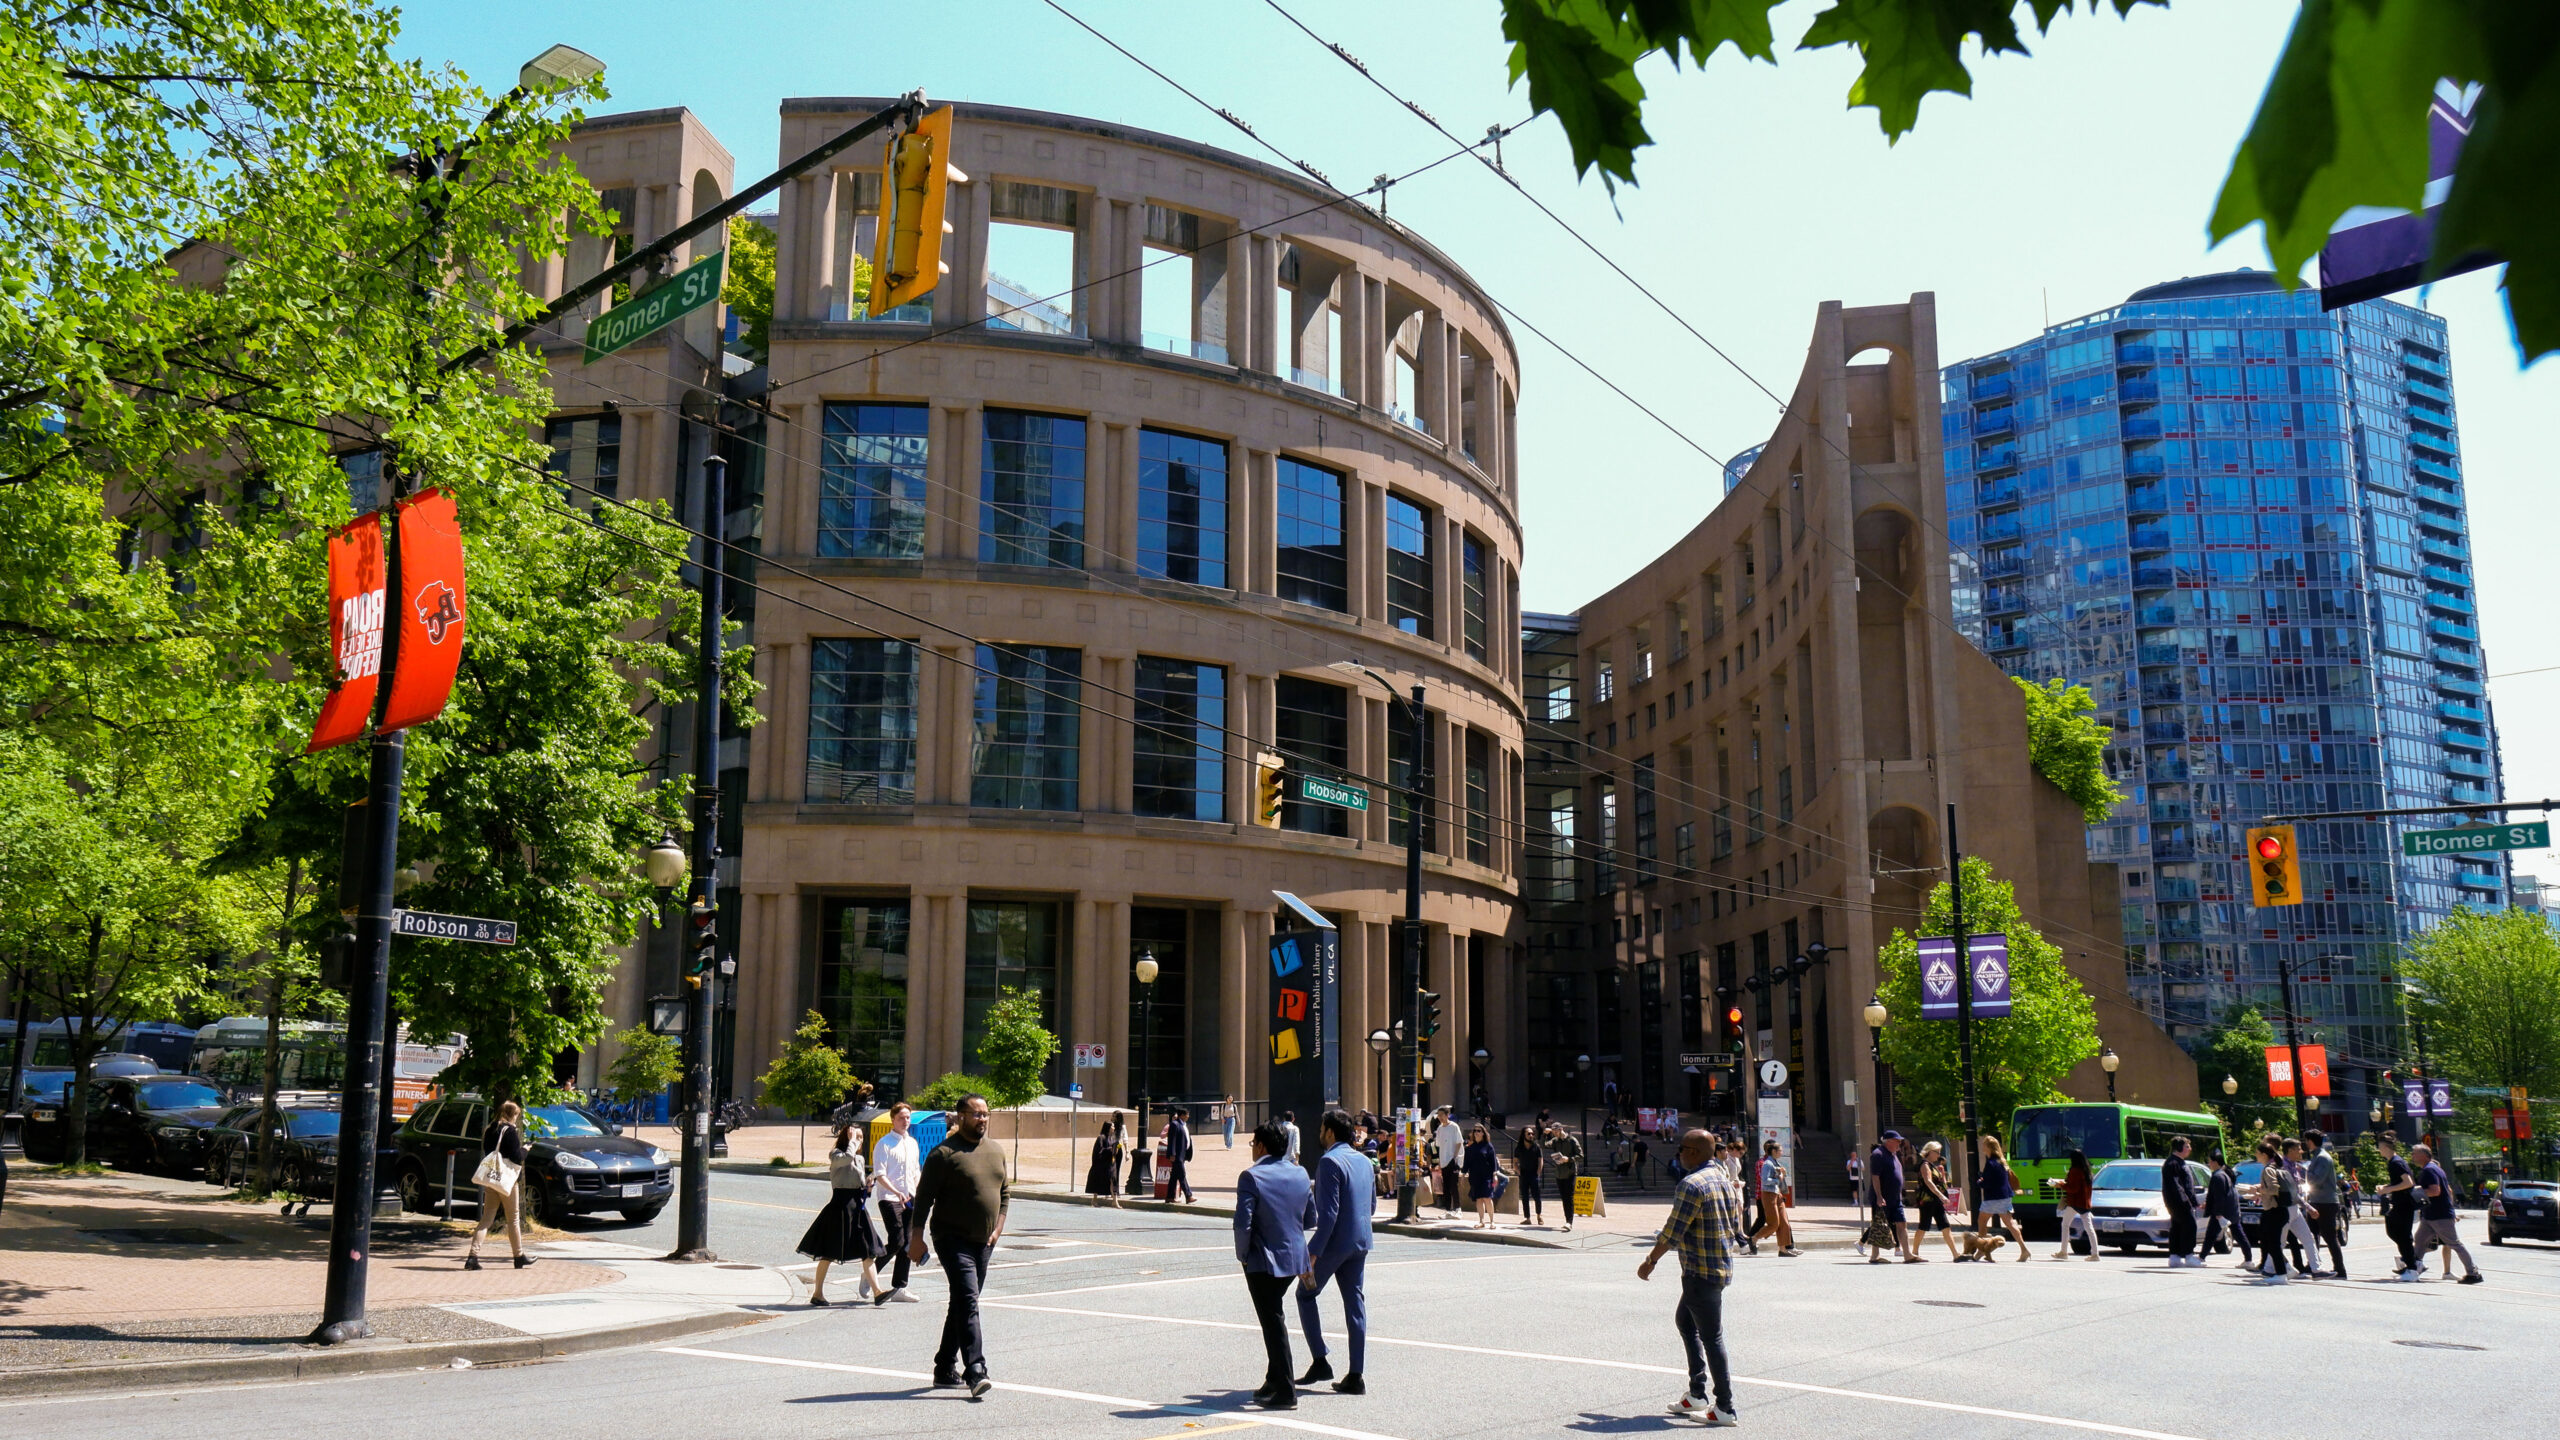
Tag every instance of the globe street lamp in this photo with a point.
(1478, 1061)
(1380, 1042)
(2230, 1084)
(2108, 1060)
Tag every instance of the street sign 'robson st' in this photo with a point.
(2475, 838)
(1319, 790)
(426, 925)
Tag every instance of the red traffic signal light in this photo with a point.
(2270, 848)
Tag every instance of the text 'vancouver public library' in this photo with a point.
(1208, 452)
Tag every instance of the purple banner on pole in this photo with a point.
(1938, 978)
(1990, 957)
(2376, 252)
(2425, 1098)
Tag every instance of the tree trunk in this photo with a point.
(84, 1048)
(270, 1078)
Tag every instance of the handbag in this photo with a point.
(496, 1172)
(1877, 1236)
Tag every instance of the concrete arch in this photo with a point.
(1902, 844)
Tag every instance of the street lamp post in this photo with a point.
(2108, 1060)
(1146, 971)
(1875, 1015)
(1417, 817)
(1483, 1096)
(2293, 1045)
(370, 1062)
(1380, 1042)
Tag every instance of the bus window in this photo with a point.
(2052, 1132)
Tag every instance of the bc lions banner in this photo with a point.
(356, 581)
(431, 610)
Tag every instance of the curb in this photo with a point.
(1383, 1227)
(362, 1358)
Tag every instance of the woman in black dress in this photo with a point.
(1103, 1176)
(842, 1232)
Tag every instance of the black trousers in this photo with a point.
(1564, 1191)
(2182, 1230)
(2217, 1226)
(1449, 1187)
(1177, 1180)
(1531, 1211)
(1267, 1292)
(965, 1266)
(2401, 1223)
(893, 1225)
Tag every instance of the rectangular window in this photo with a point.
(1684, 846)
(1311, 562)
(1605, 856)
(1471, 594)
(1024, 718)
(862, 722)
(1031, 490)
(1180, 770)
(1408, 567)
(1012, 945)
(862, 987)
(586, 451)
(1786, 794)
(1644, 821)
(1479, 797)
(871, 482)
(1754, 821)
(1182, 508)
(1313, 721)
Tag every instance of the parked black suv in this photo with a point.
(577, 1164)
(151, 1122)
(2525, 1210)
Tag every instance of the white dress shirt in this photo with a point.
(896, 1166)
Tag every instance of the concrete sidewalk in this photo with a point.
(126, 1281)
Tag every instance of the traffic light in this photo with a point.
(1733, 1024)
(915, 177)
(702, 940)
(1430, 1014)
(2275, 867)
(1270, 789)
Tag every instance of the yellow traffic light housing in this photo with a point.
(915, 177)
(1270, 789)
(2275, 866)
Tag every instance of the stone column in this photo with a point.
(1363, 547)
(1237, 943)
(951, 483)
(1257, 539)
(937, 962)
(1270, 341)
(1247, 536)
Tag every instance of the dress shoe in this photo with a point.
(1278, 1400)
(1351, 1384)
(523, 1260)
(1321, 1370)
(946, 1379)
(470, 1262)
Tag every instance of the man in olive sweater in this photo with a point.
(960, 1202)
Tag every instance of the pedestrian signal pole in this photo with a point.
(702, 915)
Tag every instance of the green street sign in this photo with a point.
(682, 293)
(2475, 839)
(1317, 790)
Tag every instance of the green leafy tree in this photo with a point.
(2068, 745)
(2366, 1160)
(810, 1076)
(1015, 1049)
(645, 1065)
(2485, 982)
(2236, 1050)
(2343, 121)
(2019, 1060)
(747, 285)
(945, 1091)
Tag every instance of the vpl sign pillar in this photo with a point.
(1306, 1016)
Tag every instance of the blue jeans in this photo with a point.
(1349, 1277)
(1702, 1335)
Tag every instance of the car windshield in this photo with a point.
(47, 1084)
(178, 1095)
(307, 1124)
(2246, 1172)
(2130, 1175)
(2052, 1132)
(545, 1122)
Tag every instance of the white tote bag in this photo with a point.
(496, 1172)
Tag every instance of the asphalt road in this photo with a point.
(1121, 1326)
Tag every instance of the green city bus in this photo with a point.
(2042, 1137)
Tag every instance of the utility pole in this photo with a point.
(1970, 1113)
(1417, 801)
(693, 1187)
(2292, 1043)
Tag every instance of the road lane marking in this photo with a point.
(1211, 1430)
(1121, 1401)
(2059, 1420)
(1228, 1275)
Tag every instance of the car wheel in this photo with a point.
(2127, 1247)
(643, 1214)
(2497, 1239)
(548, 1210)
(413, 1191)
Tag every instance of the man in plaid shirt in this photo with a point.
(1706, 1228)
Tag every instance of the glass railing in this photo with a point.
(2450, 604)
(2147, 537)
(2154, 577)
(917, 312)
(2138, 390)
(2145, 463)
(1991, 387)
(2456, 765)
(2447, 655)
(2135, 354)
(2004, 562)
(2000, 602)
(2462, 740)
(2003, 526)
(2461, 794)
(2437, 468)
(2439, 495)
(1996, 457)
(2144, 426)
(1207, 350)
(2446, 709)
(1999, 421)
(2173, 889)
(1314, 380)
(1992, 497)
(2429, 410)
(2458, 685)
(2439, 572)
(1011, 306)
(2415, 361)
(2156, 655)
(2452, 631)
(2164, 730)
(2156, 615)
(2428, 389)
(2146, 499)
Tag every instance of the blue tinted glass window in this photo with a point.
(1408, 566)
(1031, 490)
(862, 722)
(871, 482)
(1025, 715)
(1312, 566)
(1180, 750)
(1182, 508)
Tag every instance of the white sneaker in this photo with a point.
(1722, 1419)
(1693, 1407)
(902, 1297)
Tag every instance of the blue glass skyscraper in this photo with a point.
(2241, 523)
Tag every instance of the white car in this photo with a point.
(2124, 1198)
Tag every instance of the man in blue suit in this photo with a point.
(1274, 1207)
(1346, 1187)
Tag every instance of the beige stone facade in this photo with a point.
(1779, 712)
(980, 536)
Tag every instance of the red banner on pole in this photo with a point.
(355, 632)
(2315, 1071)
(431, 610)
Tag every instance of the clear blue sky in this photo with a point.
(2066, 182)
